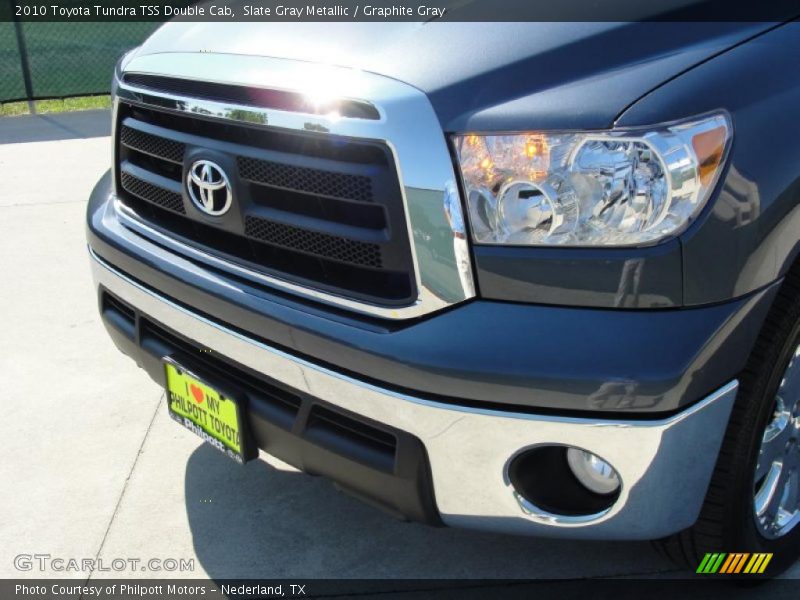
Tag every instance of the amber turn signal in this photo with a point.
(709, 146)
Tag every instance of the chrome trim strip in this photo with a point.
(276, 87)
(665, 465)
(407, 124)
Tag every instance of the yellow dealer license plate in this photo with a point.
(205, 411)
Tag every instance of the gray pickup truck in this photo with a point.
(535, 278)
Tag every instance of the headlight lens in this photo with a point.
(613, 188)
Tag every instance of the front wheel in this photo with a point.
(752, 507)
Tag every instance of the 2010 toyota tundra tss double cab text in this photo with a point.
(522, 277)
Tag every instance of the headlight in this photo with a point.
(610, 188)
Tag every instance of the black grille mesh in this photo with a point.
(312, 242)
(313, 181)
(152, 193)
(152, 144)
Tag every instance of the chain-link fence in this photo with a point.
(58, 60)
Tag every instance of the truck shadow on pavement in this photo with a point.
(259, 521)
(57, 126)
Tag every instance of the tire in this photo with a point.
(727, 521)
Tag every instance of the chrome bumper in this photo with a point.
(664, 465)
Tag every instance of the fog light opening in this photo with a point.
(564, 481)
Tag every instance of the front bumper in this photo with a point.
(664, 465)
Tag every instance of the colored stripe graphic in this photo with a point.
(755, 562)
(763, 566)
(728, 562)
(711, 562)
(702, 566)
(734, 563)
(717, 563)
(740, 564)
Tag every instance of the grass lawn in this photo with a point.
(10, 109)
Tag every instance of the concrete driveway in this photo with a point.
(94, 468)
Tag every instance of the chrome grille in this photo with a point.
(251, 96)
(374, 126)
(326, 213)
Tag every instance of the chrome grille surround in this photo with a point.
(407, 125)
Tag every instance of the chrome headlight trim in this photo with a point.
(628, 187)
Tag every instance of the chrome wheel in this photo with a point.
(776, 501)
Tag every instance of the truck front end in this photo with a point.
(478, 317)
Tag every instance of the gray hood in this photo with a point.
(487, 76)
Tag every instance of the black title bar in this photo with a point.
(400, 10)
